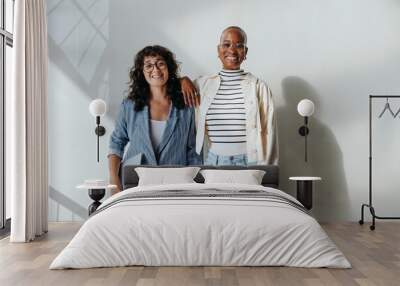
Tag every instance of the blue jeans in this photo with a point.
(217, 160)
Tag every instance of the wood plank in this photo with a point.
(375, 257)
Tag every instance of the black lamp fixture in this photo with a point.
(98, 108)
(305, 108)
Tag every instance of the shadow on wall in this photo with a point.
(80, 46)
(325, 158)
(67, 203)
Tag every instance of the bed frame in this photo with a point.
(130, 178)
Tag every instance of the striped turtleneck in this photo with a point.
(226, 116)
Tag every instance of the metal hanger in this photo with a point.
(397, 113)
(387, 107)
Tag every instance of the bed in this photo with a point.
(198, 224)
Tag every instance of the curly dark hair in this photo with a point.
(139, 90)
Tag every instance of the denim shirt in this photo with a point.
(178, 143)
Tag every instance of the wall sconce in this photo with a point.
(98, 108)
(305, 108)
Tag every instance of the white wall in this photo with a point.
(335, 53)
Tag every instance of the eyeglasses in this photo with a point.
(148, 67)
(237, 46)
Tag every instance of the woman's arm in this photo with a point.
(268, 124)
(114, 163)
(118, 140)
(190, 93)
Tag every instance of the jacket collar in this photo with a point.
(145, 118)
(169, 128)
(215, 83)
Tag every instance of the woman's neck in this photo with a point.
(159, 104)
(158, 93)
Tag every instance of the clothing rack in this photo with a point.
(370, 205)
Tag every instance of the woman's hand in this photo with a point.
(189, 91)
(114, 180)
(114, 163)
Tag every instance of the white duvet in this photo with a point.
(200, 231)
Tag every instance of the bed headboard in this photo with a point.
(130, 178)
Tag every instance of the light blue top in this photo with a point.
(157, 128)
(177, 146)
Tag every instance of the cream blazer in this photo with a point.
(261, 129)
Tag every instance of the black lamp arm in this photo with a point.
(100, 131)
(304, 131)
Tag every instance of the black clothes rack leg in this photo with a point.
(369, 205)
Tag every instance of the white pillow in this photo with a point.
(165, 176)
(248, 177)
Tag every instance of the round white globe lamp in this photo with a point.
(305, 108)
(98, 108)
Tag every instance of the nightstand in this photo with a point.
(96, 191)
(304, 190)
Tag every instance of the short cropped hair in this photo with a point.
(241, 31)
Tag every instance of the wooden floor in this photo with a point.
(375, 257)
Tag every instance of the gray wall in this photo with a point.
(332, 52)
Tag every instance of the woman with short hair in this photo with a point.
(236, 120)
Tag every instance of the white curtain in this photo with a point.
(27, 123)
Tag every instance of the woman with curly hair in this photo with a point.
(153, 119)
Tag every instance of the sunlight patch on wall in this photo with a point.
(80, 29)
